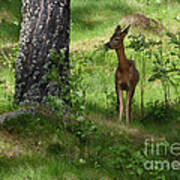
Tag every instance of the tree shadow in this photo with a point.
(12, 8)
(87, 16)
(9, 31)
(111, 111)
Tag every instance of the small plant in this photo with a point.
(166, 68)
(143, 51)
(155, 113)
(75, 121)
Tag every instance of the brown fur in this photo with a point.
(127, 76)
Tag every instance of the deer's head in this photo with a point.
(117, 38)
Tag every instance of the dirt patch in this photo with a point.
(141, 21)
(9, 145)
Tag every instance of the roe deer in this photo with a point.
(127, 76)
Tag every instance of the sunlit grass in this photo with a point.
(91, 19)
(6, 90)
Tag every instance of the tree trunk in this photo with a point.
(45, 26)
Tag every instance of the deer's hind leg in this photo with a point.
(129, 97)
(117, 93)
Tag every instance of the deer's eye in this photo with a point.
(116, 39)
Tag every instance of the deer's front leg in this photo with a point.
(117, 93)
(120, 96)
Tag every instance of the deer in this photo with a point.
(126, 76)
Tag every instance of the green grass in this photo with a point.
(8, 55)
(40, 148)
(166, 13)
(99, 70)
(94, 18)
(39, 167)
(91, 19)
(6, 90)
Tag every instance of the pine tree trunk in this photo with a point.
(45, 26)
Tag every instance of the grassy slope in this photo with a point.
(92, 23)
(37, 148)
(91, 18)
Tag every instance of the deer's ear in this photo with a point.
(118, 28)
(126, 30)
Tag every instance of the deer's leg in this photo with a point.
(117, 93)
(132, 94)
(129, 97)
(120, 96)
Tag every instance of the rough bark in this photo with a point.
(45, 26)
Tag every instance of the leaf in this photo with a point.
(140, 171)
(152, 78)
(171, 35)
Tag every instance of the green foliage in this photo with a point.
(140, 43)
(7, 63)
(78, 124)
(166, 67)
(156, 113)
(9, 31)
(12, 9)
(10, 17)
(175, 39)
(8, 57)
